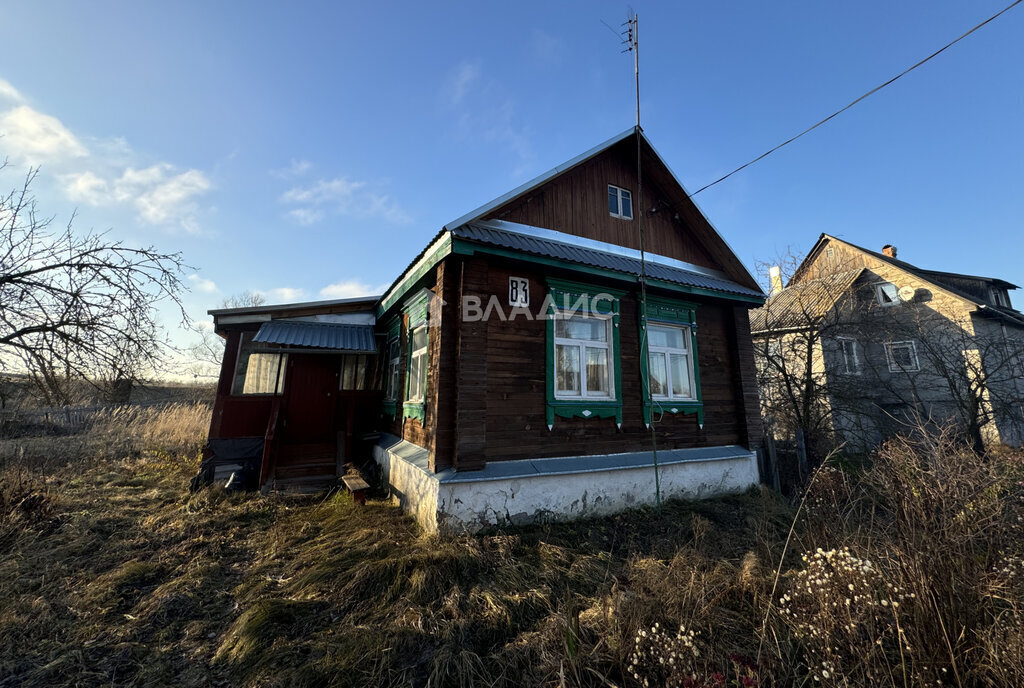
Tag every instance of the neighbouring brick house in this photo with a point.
(888, 345)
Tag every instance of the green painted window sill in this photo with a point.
(573, 408)
(413, 410)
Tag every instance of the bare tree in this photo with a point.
(792, 333)
(208, 350)
(75, 306)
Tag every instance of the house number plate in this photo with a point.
(519, 292)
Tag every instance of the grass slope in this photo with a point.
(119, 577)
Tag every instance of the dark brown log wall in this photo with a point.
(577, 203)
(501, 398)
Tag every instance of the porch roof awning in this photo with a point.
(318, 335)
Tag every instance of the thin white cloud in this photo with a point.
(461, 80)
(350, 289)
(106, 173)
(485, 112)
(283, 294)
(9, 93)
(545, 48)
(306, 216)
(159, 194)
(202, 284)
(296, 168)
(32, 137)
(338, 190)
(341, 196)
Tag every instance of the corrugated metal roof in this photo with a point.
(493, 235)
(319, 335)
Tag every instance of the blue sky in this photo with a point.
(310, 150)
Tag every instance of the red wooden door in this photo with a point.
(311, 391)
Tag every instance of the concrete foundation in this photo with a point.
(565, 488)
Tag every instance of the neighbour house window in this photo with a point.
(582, 356)
(1000, 298)
(887, 294)
(354, 372)
(258, 372)
(417, 364)
(670, 363)
(620, 202)
(848, 362)
(902, 356)
(583, 377)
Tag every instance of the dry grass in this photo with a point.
(115, 575)
(122, 432)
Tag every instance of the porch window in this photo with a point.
(671, 366)
(902, 357)
(417, 364)
(353, 372)
(258, 372)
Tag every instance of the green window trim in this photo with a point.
(394, 331)
(417, 309)
(670, 312)
(562, 292)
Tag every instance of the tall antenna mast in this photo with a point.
(633, 45)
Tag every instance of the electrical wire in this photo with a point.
(869, 93)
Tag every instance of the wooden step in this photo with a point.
(313, 485)
(307, 470)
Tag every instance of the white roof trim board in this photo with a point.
(597, 245)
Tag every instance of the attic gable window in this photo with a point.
(1000, 298)
(887, 294)
(620, 202)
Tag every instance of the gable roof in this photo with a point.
(937, 278)
(802, 305)
(705, 232)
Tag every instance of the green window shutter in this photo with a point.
(671, 312)
(586, 300)
(417, 309)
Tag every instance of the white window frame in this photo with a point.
(583, 345)
(880, 291)
(895, 367)
(618, 190)
(844, 360)
(422, 352)
(686, 351)
(391, 385)
(239, 380)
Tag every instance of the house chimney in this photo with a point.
(889, 250)
(775, 280)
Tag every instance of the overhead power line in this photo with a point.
(876, 89)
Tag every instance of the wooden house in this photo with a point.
(891, 346)
(509, 378)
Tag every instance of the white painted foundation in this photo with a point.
(517, 492)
